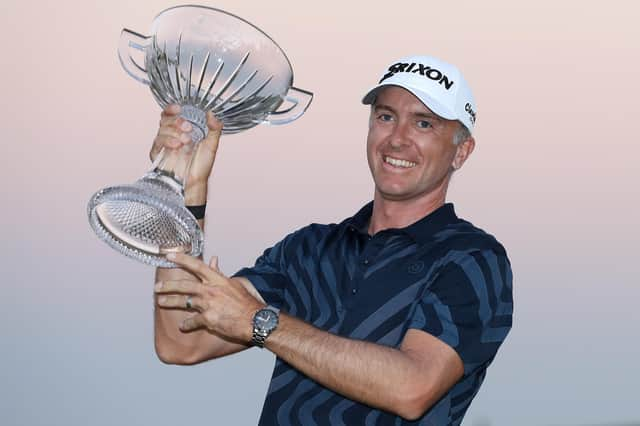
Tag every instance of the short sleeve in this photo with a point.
(469, 306)
(268, 275)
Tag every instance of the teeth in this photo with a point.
(399, 163)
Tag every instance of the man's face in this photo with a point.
(410, 149)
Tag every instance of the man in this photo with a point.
(390, 317)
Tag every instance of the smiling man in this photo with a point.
(390, 317)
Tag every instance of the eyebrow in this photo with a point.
(428, 115)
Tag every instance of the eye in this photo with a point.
(385, 117)
(424, 124)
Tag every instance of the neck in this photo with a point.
(402, 213)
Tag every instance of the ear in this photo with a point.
(463, 151)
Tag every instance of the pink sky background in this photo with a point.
(554, 177)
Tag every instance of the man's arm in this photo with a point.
(172, 345)
(405, 381)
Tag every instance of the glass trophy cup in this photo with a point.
(203, 59)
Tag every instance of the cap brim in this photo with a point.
(433, 105)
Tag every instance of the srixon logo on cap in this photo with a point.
(425, 70)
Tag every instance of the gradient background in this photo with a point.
(554, 177)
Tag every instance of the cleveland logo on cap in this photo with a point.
(472, 113)
(421, 69)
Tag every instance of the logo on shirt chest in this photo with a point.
(415, 267)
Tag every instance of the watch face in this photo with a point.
(266, 319)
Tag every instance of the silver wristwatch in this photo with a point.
(264, 322)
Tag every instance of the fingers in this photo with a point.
(194, 265)
(193, 323)
(173, 133)
(179, 286)
(178, 301)
(173, 137)
(176, 121)
(171, 110)
(213, 263)
(210, 142)
(213, 123)
(189, 297)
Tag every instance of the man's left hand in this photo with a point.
(224, 305)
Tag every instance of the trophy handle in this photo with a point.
(128, 40)
(301, 99)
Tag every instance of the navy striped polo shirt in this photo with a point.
(441, 275)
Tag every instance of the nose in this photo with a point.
(398, 137)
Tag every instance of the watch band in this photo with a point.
(258, 339)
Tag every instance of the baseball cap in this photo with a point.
(438, 85)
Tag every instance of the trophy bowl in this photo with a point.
(203, 59)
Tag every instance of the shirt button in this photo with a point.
(354, 291)
(366, 261)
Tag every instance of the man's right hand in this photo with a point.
(174, 133)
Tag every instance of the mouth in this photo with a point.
(396, 162)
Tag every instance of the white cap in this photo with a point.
(439, 85)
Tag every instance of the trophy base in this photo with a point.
(146, 220)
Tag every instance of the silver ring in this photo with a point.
(189, 304)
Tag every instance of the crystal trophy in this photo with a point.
(203, 59)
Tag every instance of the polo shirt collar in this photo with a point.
(421, 231)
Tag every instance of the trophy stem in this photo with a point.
(198, 119)
(171, 166)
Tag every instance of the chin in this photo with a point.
(393, 194)
(394, 187)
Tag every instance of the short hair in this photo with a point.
(461, 135)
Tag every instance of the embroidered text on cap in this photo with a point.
(472, 113)
(422, 69)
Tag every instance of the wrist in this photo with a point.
(195, 194)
